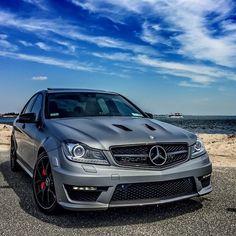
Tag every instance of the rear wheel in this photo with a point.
(43, 186)
(13, 163)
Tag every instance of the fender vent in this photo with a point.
(122, 127)
(150, 127)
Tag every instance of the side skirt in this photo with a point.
(24, 166)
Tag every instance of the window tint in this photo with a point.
(61, 105)
(37, 105)
(27, 108)
(123, 107)
(103, 106)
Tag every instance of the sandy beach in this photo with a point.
(221, 147)
(5, 136)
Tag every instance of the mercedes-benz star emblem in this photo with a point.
(157, 155)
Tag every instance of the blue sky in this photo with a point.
(166, 56)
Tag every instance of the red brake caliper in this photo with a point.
(44, 172)
(43, 184)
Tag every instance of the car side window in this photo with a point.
(29, 105)
(37, 105)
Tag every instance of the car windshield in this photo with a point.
(61, 105)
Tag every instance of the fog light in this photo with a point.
(206, 176)
(84, 188)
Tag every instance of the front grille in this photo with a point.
(154, 190)
(138, 155)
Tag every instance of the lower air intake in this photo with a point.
(154, 190)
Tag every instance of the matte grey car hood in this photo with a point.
(103, 132)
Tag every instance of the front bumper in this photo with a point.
(109, 177)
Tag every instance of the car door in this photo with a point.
(31, 130)
(19, 131)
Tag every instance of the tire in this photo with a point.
(43, 186)
(13, 163)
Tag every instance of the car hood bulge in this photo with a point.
(104, 132)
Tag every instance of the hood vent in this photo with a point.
(122, 127)
(150, 127)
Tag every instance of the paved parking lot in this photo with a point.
(213, 214)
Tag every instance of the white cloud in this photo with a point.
(26, 44)
(190, 85)
(70, 47)
(143, 59)
(109, 7)
(114, 56)
(6, 45)
(39, 78)
(74, 65)
(228, 26)
(29, 24)
(187, 17)
(150, 34)
(198, 74)
(204, 80)
(65, 30)
(38, 3)
(117, 11)
(108, 42)
(192, 68)
(43, 46)
(196, 40)
(3, 36)
(85, 5)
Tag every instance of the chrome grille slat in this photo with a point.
(138, 155)
(130, 155)
(176, 152)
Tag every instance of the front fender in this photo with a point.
(51, 146)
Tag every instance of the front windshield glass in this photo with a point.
(61, 105)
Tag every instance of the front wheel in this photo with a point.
(43, 186)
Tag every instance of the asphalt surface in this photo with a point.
(213, 214)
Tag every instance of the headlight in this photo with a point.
(81, 153)
(198, 148)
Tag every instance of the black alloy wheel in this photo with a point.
(43, 186)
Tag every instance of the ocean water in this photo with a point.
(204, 124)
(197, 124)
(4, 120)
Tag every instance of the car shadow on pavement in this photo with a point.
(20, 182)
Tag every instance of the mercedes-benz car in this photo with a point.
(93, 150)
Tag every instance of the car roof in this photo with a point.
(66, 90)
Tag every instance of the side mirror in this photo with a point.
(27, 118)
(150, 115)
